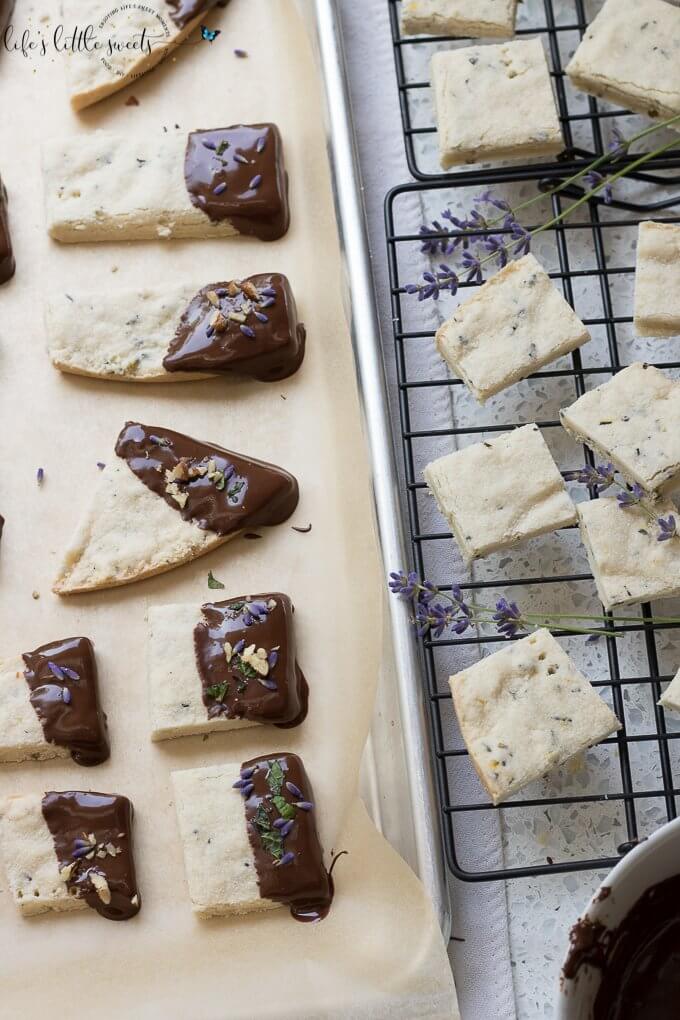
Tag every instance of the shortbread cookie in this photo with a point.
(250, 839)
(218, 183)
(164, 501)
(494, 102)
(525, 710)
(94, 74)
(224, 665)
(633, 421)
(478, 20)
(179, 333)
(66, 851)
(7, 263)
(630, 56)
(49, 705)
(670, 699)
(628, 562)
(498, 493)
(657, 280)
(512, 326)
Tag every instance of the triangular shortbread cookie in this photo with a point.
(165, 500)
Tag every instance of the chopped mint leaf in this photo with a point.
(275, 777)
(285, 809)
(218, 691)
(213, 582)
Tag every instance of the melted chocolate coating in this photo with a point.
(2, 524)
(639, 960)
(272, 347)
(184, 11)
(302, 883)
(68, 709)
(268, 626)
(252, 493)
(237, 174)
(74, 818)
(7, 263)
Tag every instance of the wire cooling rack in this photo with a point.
(579, 818)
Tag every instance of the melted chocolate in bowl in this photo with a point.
(639, 961)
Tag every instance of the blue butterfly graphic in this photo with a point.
(210, 34)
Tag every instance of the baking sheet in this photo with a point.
(379, 953)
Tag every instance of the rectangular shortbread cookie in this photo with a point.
(657, 280)
(670, 698)
(31, 864)
(633, 421)
(21, 735)
(630, 55)
(124, 335)
(494, 102)
(175, 690)
(218, 858)
(478, 20)
(498, 493)
(513, 325)
(628, 562)
(525, 710)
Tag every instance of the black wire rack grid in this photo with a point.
(591, 220)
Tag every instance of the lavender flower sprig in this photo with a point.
(435, 612)
(603, 476)
(474, 234)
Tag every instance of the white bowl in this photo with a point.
(653, 861)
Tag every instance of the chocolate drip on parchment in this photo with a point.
(248, 327)
(282, 832)
(238, 174)
(62, 677)
(184, 11)
(219, 490)
(92, 835)
(245, 653)
(639, 961)
(7, 263)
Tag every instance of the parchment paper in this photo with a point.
(379, 953)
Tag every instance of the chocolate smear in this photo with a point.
(245, 653)
(7, 263)
(238, 174)
(62, 677)
(218, 490)
(639, 961)
(282, 831)
(249, 327)
(92, 835)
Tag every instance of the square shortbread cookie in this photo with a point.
(524, 711)
(630, 55)
(498, 493)
(478, 20)
(633, 421)
(657, 280)
(670, 698)
(494, 102)
(514, 324)
(249, 836)
(628, 563)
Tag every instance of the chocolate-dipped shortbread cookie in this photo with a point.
(70, 850)
(7, 263)
(179, 333)
(250, 838)
(49, 705)
(164, 500)
(154, 31)
(224, 665)
(223, 182)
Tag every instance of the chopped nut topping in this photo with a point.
(237, 317)
(101, 886)
(218, 322)
(256, 659)
(228, 652)
(233, 289)
(179, 497)
(213, 298)
(251, 291)
(65, 872)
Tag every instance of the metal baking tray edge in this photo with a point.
(401, 691)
